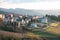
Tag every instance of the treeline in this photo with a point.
(54, 17)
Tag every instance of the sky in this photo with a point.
(31, 4)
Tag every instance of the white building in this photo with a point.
(11, 15)
(2, 16)
(33, 25)
(43, 20)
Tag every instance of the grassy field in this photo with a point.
(54, 28)
(50, 33)
(4, 35)
(44, 34)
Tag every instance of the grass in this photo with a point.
(51, 33)
(48, 32)
(4, 35)
(16, 35)
(44, 34)
(54, 30)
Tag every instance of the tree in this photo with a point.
(58, 17)
(1, 23)
(53, 17)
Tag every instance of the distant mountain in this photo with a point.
(49, 12)
(2, 12)
(21, 11)
(31, 12)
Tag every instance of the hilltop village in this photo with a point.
(27, 27)
(22, 20)
(11, 22)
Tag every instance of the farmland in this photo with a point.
(28, 35)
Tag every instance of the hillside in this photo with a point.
(54, 30)
(4, 35)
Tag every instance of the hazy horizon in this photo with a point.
(31, 4)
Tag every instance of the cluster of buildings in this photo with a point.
(29, 21)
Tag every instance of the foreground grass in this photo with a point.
(4, 35)
(44, 34)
